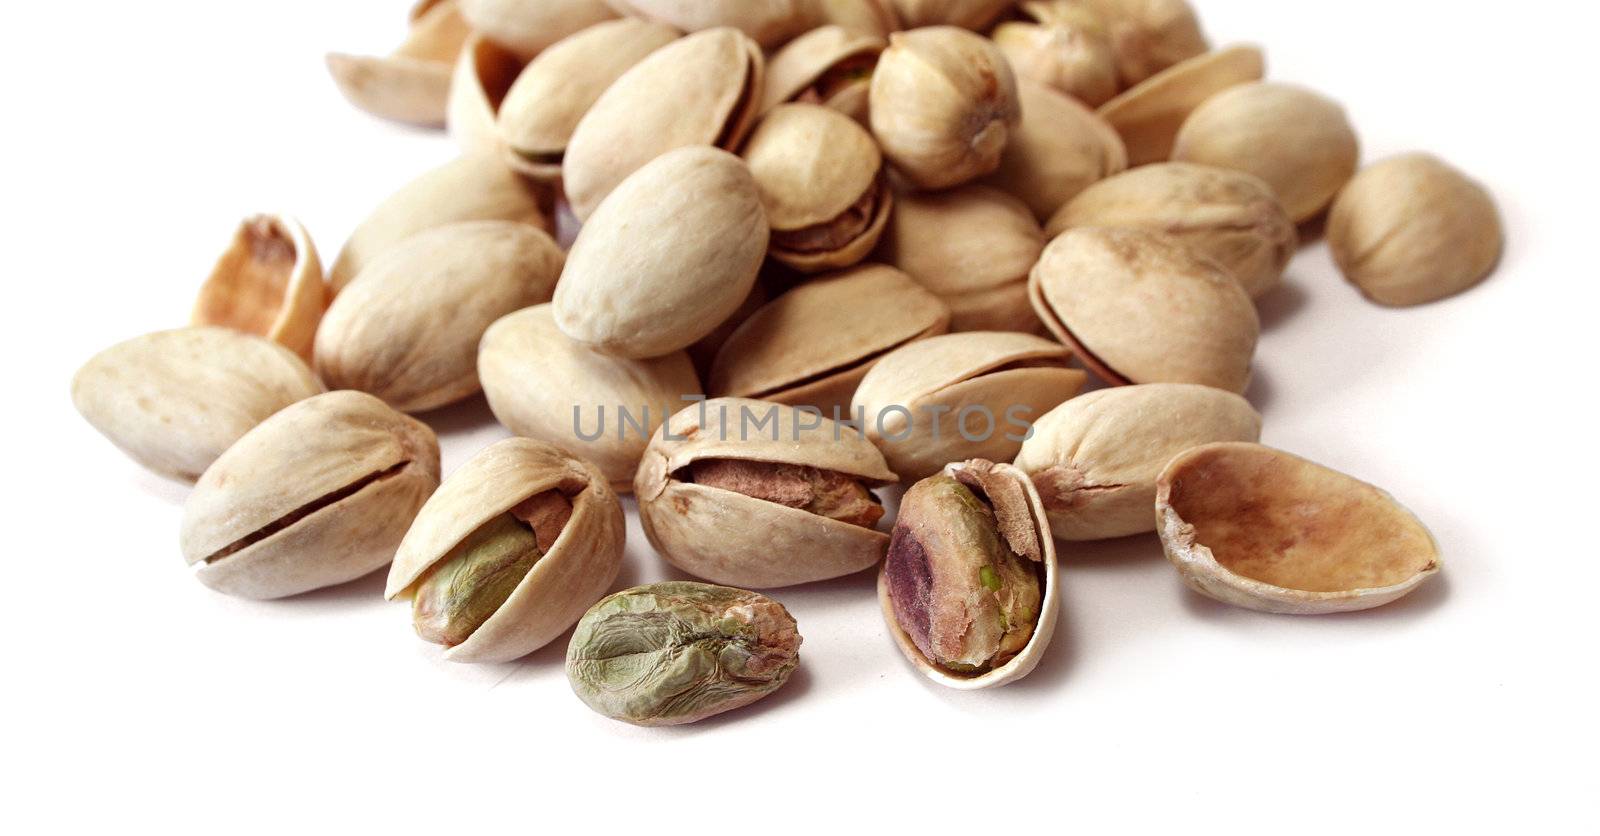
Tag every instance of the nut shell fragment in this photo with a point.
(268, 282)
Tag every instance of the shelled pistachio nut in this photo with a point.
(1261, 529)
(769, 23)
(482, 77)
(527, 28)
(268, 283)
(1064, 46)
(830, 65)
(1060, 148)
(316, 495)
(976, 15)
(870, 17)
(1149, 115)
(413, 84)
(1149, 36)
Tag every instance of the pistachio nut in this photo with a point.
(1095, 458)
(822, 185)
(830, 65)
(812, 345)
(962, 396)
(1412, 229)
(704, 352)
(1140, 307)
(483, 75)
(1059, 149)
(527, 28)
(1148, 36)
(1298, 141)
(1229, 215)
(969, 589)
(316, 495)
(413, 84)
(509, 552)
(976, 15)
(542, 385)
(943, 104)
(673, 653)
(871, 17)
(769, 23)
(385, 335)
(1149, 114)
(1064, 46)
(703, 89)
(760, 494)
(973, 247)
(1261, 529)
(175, 400)
(268, 282)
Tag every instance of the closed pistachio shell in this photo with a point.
(869, 17)
(1149, 36)
(1261, 529)
(1149, 115)
(175, 400)
(268, 282)
(830, 65)
(413, 84)
(767, 22)
(1067, 49)
(1060, 148)
(528, 27)
(483, 74)
(976, 15)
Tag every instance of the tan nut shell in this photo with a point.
(1095, 458)
(726, 537)
(268, 282)
(1060, 149)
(703, 89)
(527, 27)
(1049, 606)
(1149, 36)
(1262, 529)
(483, 75)
(945, 383)
(869, 17)
(1067, 50)
(812, 345)
(310, 451)
(1140, 307)
(573, 574)
(175, 400)
(413, 84)
(389, 334)
(767, 22)
(967, 14)
(806, 59)
(1149, 115)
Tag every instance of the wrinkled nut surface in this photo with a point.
(318, 494)
(1262, 529)
(482, 77)
(1095, 458)
(411, 85)
(1149, 115)
(509, 552)
(674, 653)
(830, 66)
(975, 15)
(528, 28)
(1060, 148)
(1066, 47)
(268, 283)
(759, 494)
(1148, 36)
(1412, 229)
(969, 587)
(1229, 215)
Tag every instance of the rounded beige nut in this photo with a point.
(1149, 115)
(1412, 229)
(1262, 529)
(527, 28)
(1060, 148)
(961, 396)
(385, 333)
(830, 65)
(870, 17)
(483, 75)
(413, 83)
(1065, 47)
(758, 494)
(767, 22)
(976, 15)
(1149, 36)
(268, 282)
(671, 253)
(316, 495)
(567, 578)
(943, 104)
(1296, 140)
(1140, 307)
(1095, 458)
(1229, 215)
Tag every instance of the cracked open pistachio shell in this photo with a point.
(943, 104)
(812, 345)
(703, 89)
(1141, 307)
(1265, 530)
(1060, 148)
(509, 552)
(870, 17)
(175, 400)
(1095, 458)
(822, 186)
(1412, 229)
(962, 396)
(759, 494)
(543, 385)
(830, 65)
(483, 75)
(975, 15)
(527, 27)
(1148, 36)
(1149, 114)
(767, 22)
(1228, 215)
(413, 83)
(268, 283)
(316, 495)
(1066, 48)
(969, 589)
(385, 333)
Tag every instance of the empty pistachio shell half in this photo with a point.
(830, 65)
(318, 494)
(1095, 458)
(1066, 48)
(969, 589)
(1148, 36)
(527, 28)
(268, 282)
(384, 334)
(767, 22)
(175, 400)
(759, 494)
(483, 74)
(1060, 148)
(413, 84)
(962, 396)
(1412, 229)
(509, 552)
(1262, 529)
(976, 15)
(1149, 115)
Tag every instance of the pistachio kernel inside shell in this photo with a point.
(834, 234)
(842, 76)
(826, 493)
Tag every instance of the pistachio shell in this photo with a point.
(1262, 529)
(527, 28)
(175, 400)
(767, 22)
(483, 75)
(318, 494)
(820, 66)
(413, 84)
(1149, 115)
(384, 334)
(570, 576)
(1060, 149)
(1068, 50)
(1149, 35)
(968, 14)
(1095, 458)
(870, 17)
(268, 282)
(704, 352)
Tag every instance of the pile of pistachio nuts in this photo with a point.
(755, 261)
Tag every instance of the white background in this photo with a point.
(136, 134)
